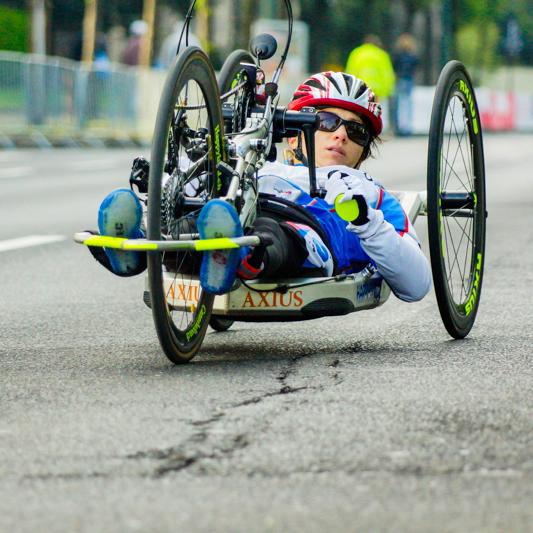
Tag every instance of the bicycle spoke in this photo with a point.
(450, 137)
(443, 181)
(460, 139)
(468, 254)
(452, 170)
(462, 245)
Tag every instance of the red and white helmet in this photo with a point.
(338, 89)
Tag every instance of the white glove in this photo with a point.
(351, 187)
(340, 182)
(348, 188)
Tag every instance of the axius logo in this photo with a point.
(270, 299)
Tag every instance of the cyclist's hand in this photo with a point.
(346, 194)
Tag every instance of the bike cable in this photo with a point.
(284, 288)
(186, 25)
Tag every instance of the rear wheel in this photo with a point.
(186, 148)
(456, 202)
(220, 324)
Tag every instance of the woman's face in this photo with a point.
(335, 148)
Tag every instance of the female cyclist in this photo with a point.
(350, 123)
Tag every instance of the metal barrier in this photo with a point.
(54, 100)
(51, 98)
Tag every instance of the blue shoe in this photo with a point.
(219, 267)
(120, 215)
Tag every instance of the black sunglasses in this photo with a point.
(357, 132)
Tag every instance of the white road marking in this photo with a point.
(29, 240)
(15, 172)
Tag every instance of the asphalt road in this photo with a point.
(376, 421)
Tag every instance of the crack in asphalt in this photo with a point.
(289, 369)
(284, 374)
(207, 444)
(197, 447)
(177, 458)
(286, 389)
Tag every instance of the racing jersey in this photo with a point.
(388, 240)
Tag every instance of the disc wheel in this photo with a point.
(456, 203)
(186, 148)
(234, 77)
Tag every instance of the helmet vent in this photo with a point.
(334, 83)
(316, 84)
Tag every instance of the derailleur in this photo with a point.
(139, 174)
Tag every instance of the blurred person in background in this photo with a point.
(372, 63)
(101, 61)
(98, 79)
(130, 55)
(169, 47)
(405, 62)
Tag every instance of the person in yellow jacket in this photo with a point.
(373, 65)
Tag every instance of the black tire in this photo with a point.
(231, 68)
(182, 321)
(220, 324)
(230, 75)
(456, 202)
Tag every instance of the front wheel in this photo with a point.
(186, 148)
(456, 203)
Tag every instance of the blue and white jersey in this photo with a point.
(388, 240)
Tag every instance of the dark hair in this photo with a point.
(372, 143)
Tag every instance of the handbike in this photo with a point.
(207, 145)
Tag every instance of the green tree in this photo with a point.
(480, 27)
(15, 27)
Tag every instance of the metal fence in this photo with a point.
(51, 100)
(59, 98)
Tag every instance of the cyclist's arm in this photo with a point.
(388, 237)
(398, 258)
